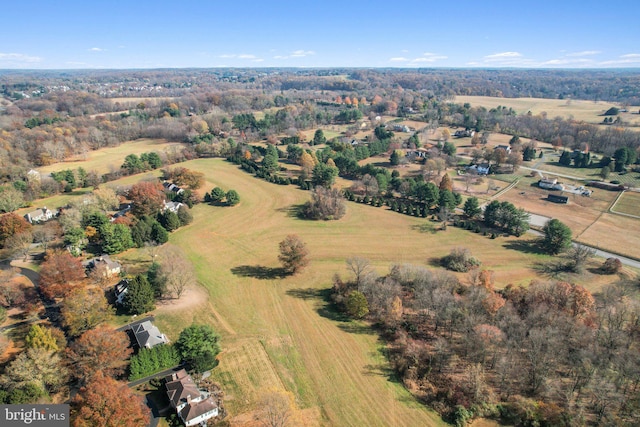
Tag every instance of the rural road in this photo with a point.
(598, 252)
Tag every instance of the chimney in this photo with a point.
(188, 399)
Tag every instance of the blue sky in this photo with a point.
(326, 33)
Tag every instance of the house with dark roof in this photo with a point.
(148, 335)
(172, 187)
(193, 406)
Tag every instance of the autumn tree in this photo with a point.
(85, 309)
(183, 177)
(60, 274)
(147, 198)
(20, 244)
(11, 224)
(325, 204)
(293, 254)
(101, 349)
(105, 402)
(446, 183)
(41, 337)
(38, 366)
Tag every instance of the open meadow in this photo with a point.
(109, 159)
(282, 332)
(587, 111)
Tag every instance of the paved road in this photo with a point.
(599, 252)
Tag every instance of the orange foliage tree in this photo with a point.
(102, 349)
(105, 402)
(60, 274)
(12, 224)
(147, 198)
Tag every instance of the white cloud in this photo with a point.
(96, 49)
(296, 54)
(427, 57)
(584, 53)
(302, 53)
(19, 58)
(253, 58)
(627, 59)
(503, 56)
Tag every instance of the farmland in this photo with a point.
(286, 323)
(111, 158)
(587, 111)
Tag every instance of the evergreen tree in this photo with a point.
(140, 296)
(472, 207)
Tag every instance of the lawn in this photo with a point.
(111, 158)
(282, 332)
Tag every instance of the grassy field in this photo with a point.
(111, 158)
(629, 203)
(587, 111)
(281, 332)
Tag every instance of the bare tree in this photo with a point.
(578, 257)
(177, 270)
(360, 268)
(45, 234)
(277, 409)
(20, 244)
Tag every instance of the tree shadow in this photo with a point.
(434, 261)
(426, 227)
(294, 211)
(259, 272)
(326, 307)
(525, 246)
(556, 269)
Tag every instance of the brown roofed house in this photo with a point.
(194, 406)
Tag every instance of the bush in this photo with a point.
(356, 305)
(459, 259)
(612, 266)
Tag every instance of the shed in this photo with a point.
(555, 198)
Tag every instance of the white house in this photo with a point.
(171, 206)
(550, 184)
(481, 169)
(194, 406)
(39, 215)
